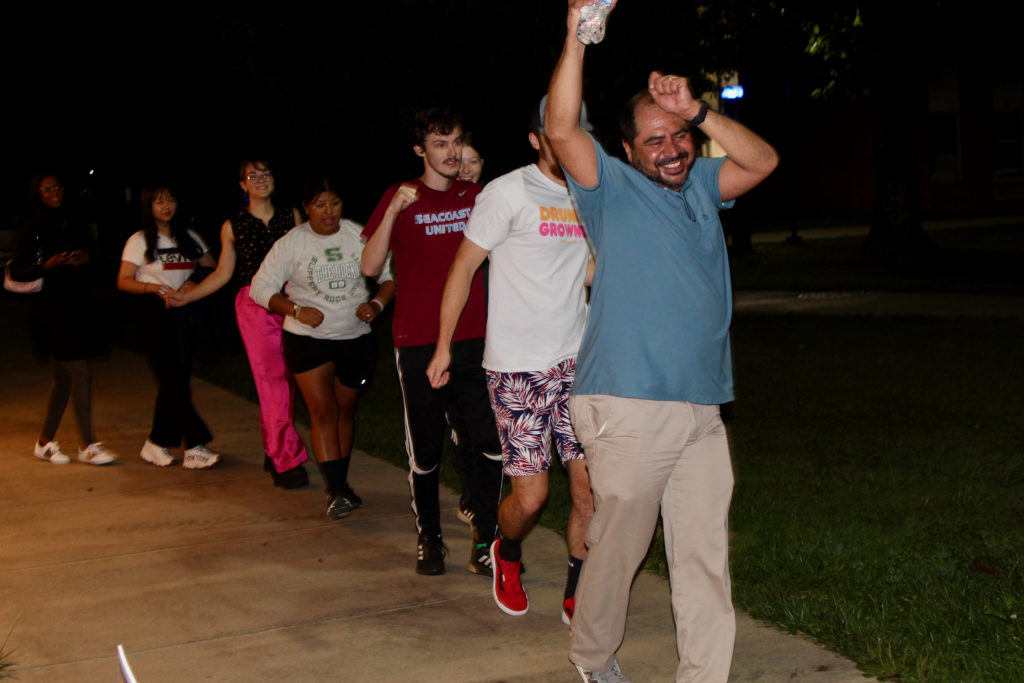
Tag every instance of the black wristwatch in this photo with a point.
(699, 118)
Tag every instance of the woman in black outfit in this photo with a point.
(62, 318)
(158, 261)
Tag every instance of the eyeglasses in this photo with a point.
(51, 188)
(332, 203)
(256, 177)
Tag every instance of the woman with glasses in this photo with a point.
(245, 240)
(53, 249)
(162, 258)
(328, 343)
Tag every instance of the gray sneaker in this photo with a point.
(612, 674)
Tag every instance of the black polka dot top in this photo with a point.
(253, 240)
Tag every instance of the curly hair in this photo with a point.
(437, 120)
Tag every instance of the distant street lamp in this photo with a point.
(732, 92)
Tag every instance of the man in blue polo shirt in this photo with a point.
(654, 364)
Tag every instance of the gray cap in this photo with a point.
(537, 120)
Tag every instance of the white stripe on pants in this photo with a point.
(645, 456)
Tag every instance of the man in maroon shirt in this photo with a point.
(421, 222)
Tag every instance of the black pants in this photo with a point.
(425, 423)
(72, 379)
(169, 341)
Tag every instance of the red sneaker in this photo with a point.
(508, 591)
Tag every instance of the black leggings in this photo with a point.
(71, 379)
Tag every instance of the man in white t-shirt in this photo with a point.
(539, 265)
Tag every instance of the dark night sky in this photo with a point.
(188, 89)
(185, 90)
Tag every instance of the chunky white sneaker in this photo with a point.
(199, 458)
(51, 452)
(96, 454)
(157, 455)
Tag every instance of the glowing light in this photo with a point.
(732, 92)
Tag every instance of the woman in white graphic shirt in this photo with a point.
(328, 344)
(159, 260)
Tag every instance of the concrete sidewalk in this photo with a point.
(921, 304)
(218, 576)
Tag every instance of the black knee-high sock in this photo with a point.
(575, 565)
(335, 474)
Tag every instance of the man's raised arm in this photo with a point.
(750, 159)
(574, 148)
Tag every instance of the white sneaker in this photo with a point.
(51, 452)
(96, 454)
(199, 458)
(157, 455)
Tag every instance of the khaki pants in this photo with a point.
(644, 456)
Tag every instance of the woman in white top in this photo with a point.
(312, 277)
(158, 261)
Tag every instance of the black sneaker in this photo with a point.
(480, 559)
(465, 511)
(295, 478)
(430, 554)
(342, 504)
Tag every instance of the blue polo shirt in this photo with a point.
(661, 303)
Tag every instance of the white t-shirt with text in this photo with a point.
(170, 267)
(322, 272)
(538, 261)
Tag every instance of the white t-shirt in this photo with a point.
(538, 252)
(322, 272)
(170, 267)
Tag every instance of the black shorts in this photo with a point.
(354, 359)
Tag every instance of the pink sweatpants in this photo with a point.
(261, 334)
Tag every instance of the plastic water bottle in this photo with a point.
(590, 30)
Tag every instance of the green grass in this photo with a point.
(879, 461)
(980, 260)
(878, 502)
